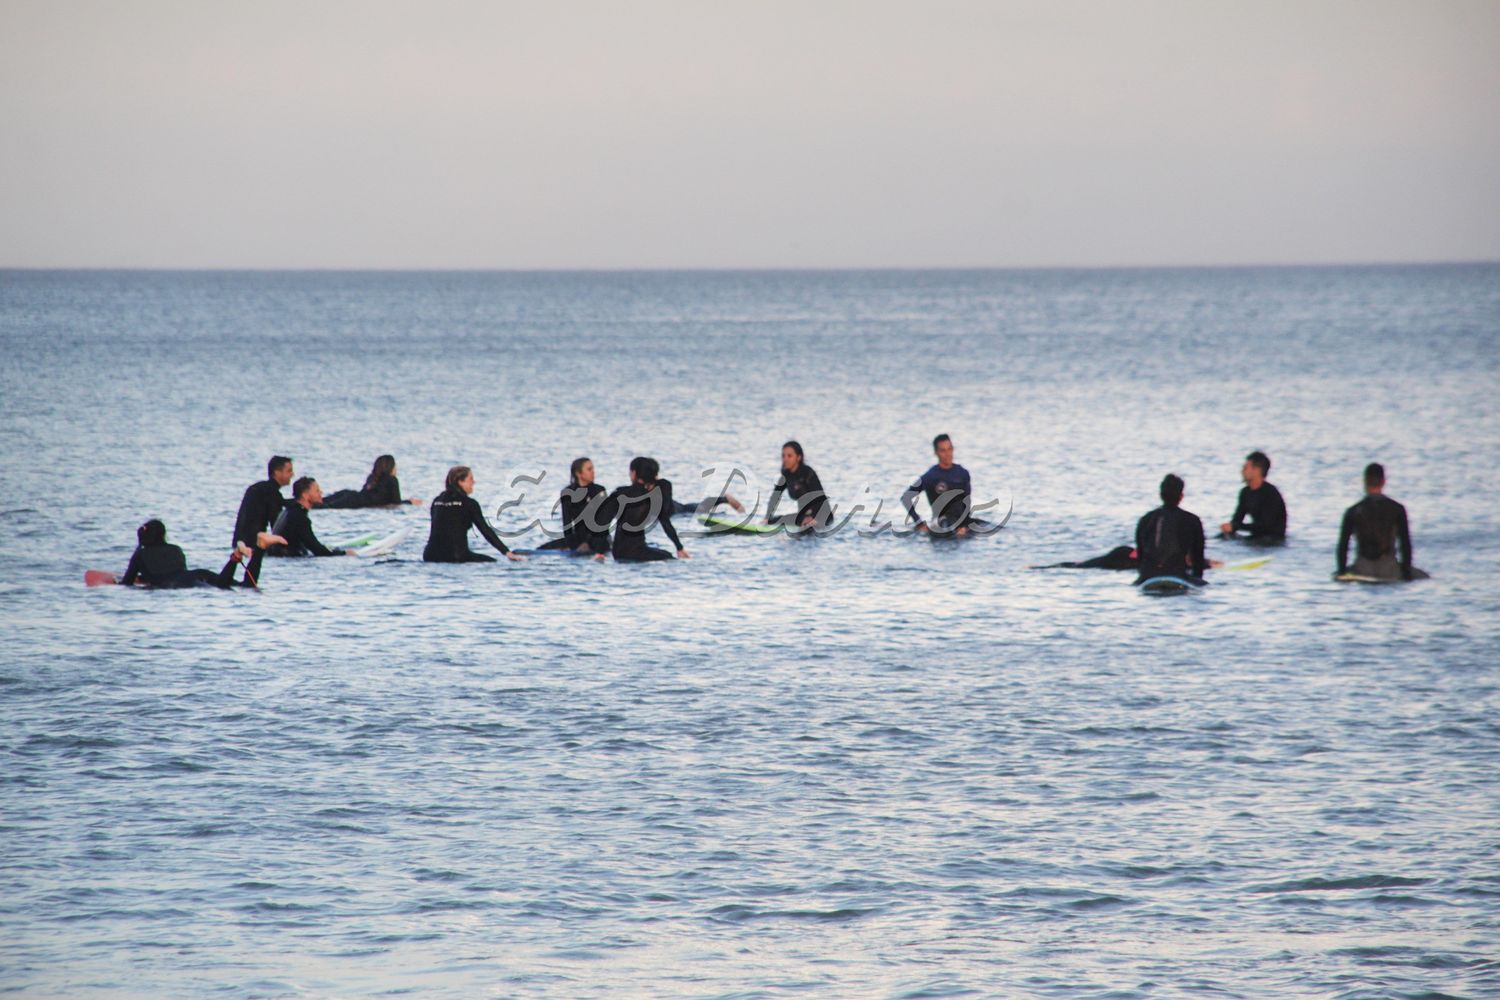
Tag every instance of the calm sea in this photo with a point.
(849, 766)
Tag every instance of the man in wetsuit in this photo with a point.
(1260, 502)
(1378, 525)
(259, 510)
(801, 483)
(946, 485)
(295, 525)
(1169, 540)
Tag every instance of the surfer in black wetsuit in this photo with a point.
(635, 508)
(1378, 525)
(1169, 540)
(454, 512)
(947, 488)
(583, 502)
(259, 509)
(155, 563)
(801, 483)
(296, 527)
(1119, 557)
(381, 489)
(1260, 502)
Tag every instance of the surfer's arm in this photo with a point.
(1341, 554)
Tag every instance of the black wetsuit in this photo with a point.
(1170, 543)
(585, 523)
(259, 510)
(454, 512)
(1378, 525)
(1119, 557)
(635, 509)
(701, 507)
(385, 493)
(1266, 511)
(804, 487)
(165, 566)
(296, 527)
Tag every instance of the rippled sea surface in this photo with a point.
(847, 766)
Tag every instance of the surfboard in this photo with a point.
(738, 524)
(382, 546)
(357, 542)
(1162, 585)
(552, 552)
(99, 578)
(1247, 563)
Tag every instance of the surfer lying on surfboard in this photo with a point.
(156, 563)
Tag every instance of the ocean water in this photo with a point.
(846, 766)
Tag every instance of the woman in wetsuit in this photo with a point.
(635, 508)
(381, 489)
(454, 512)
(801, 483)
(158, 564)
(585, 527)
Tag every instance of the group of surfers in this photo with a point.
(1169, 541)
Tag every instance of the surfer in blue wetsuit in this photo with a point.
(583, 502)
(295, 526)
(1260, 502)
(946, 486)
(454, 512)
(381, 489)
(155, 563)
(1169, 540)
(635, 508)
(801, 483)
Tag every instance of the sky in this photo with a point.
(765, 134)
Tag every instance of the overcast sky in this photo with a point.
(865, 133)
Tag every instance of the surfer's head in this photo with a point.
(1171, 489)
(460, 479)
(153, 532)
(644, 470)
(581, 472)
(791, 456)
(942, 447)
(1257, 467)
(279, 468)
(1374, 477)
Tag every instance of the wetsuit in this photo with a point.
(1266, 511)
(1377, 524)
(584, 520)
(804, 487)
(1170, 543)
(635, 509)
(1119, 557)
(454, 512)
(701, 507)
(296, 527)
(165, 566)
(385, 493)
(259, 510)
(947, 493)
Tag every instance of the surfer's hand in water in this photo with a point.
(961, 532)
(414, 501)
(515, 557)
(1215, 563)
(739, 507)
(922, 527)
(599, 557)
(684, 554)
(1226, 529)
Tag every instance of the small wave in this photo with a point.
(1342, 884)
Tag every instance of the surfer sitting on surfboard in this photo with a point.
(1378, 525)
(801, 483)
(635, 508)
(946, 486)
(1260, 502)
(585, 526)
(454, 512)
(296, 527)
(1170, 539)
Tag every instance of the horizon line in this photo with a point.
(752, 269)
